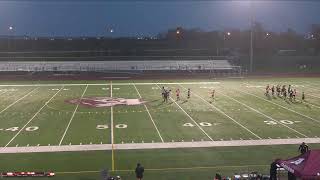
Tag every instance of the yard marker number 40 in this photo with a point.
(204, 124)
(31, 128)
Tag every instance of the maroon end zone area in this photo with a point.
(54, 76)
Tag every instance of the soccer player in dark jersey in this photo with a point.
(303, 148)
(289, 89)
(188, 94)
(283, 90)
(267, 90)
(163, 92)
(139, 171)
(212, 94)
(278, 90)
(285, 94)
(303, 97)
(272, 90)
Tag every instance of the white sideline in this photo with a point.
(111, 117)
(18, 100)
(145, 106)
(224, 114)
(255, 110)
(166, 145)
(189, 117)
(103, 84)
(74, 112)
(45, 104)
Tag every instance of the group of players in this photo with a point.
(166, 94)
(283, 92)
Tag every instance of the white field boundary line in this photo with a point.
(73, 114)
(111, 116)
(145, 106)
(255, 110)
(281, 106)
(18, 100)
(45, 104)
(204, 132)
(160, 145)
(167, 169)
(100, 84)
(220, 111)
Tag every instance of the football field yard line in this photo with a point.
(18, 100)
(224, 114)
(112, 133)
(45, 104)
(281, 106)
(145, 106)
(189, 116)
(73, 114)
(255, 110)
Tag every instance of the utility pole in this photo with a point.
(251, 36)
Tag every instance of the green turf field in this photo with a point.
(37, 114)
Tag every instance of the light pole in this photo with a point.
(251, 37)
(10, 30)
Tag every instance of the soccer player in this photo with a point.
(294, 94)
(188, 95)
(278, 90)
(212, 94)
(283, 90)
(178, 94)
(303, 96)
(272, 90)
(285, 94)
(139, 171)
(163, 93)
(289, 89)
(267, 90)
(291, 94)
(303, 148)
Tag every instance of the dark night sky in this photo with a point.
(145, 18)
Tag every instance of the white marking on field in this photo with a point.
(269, 117)
(18, 100)
(99, 84)
(145, 106)
(74, 112)
(238, 143)
(224, 114)
(116, 88)
(111, 117)
(45, 104)
(190, 118)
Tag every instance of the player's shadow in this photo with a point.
(184, 101)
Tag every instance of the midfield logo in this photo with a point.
(105, 101)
